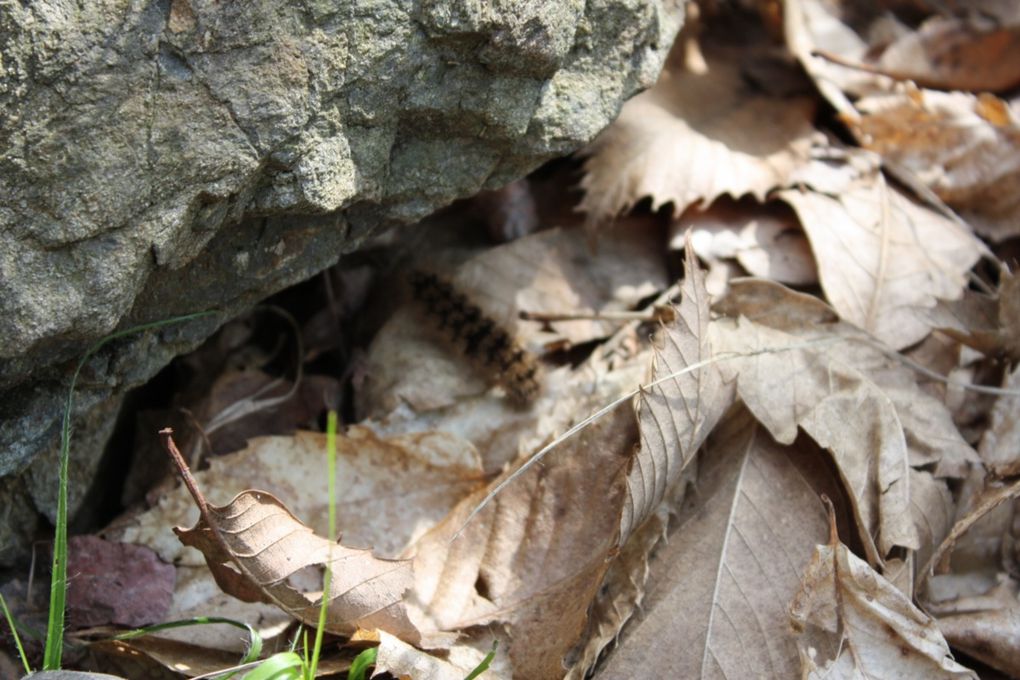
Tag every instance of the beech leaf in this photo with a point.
(676, 415)
(716, 604)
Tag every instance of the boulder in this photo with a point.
(160, 158)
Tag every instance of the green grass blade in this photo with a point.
(281, 666)
(254, 639)
(484, 665)
(331, 427)
(14, 634)
(58, 575)
(361, 663)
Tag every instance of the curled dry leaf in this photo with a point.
(254, 547)
(675, 415)
(985, 626)
(875, 631)
(718, 590)
(798, 367)
(693, 137)
(259, 552)
(884, 260)
(428, 470)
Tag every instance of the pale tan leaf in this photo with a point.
(844, 605)
(866, 409)
(1000, 444)
(884, 261)
(677, 415)
(401, 660)
(766, 240)
(716, 604)
(986, 626)
(534, 557)
(693, 137)
(963, 147)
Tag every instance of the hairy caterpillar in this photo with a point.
(485, 342)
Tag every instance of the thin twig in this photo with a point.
(166, 435)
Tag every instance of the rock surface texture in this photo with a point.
(163, 157)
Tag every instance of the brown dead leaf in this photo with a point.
(766, 240)
(843, 605)
(884, 260)
(148, 656)
(961, 146)
(255, 547)
(259, 552)
(993, 495)
(534, 557)
(427, 471)
(676, 415)
(718, 591)
(1000, 445)
(956, 53)
(985, 626)
(623, 588)
(863, 407)
(695, 136)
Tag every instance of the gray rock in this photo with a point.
(158, 158)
